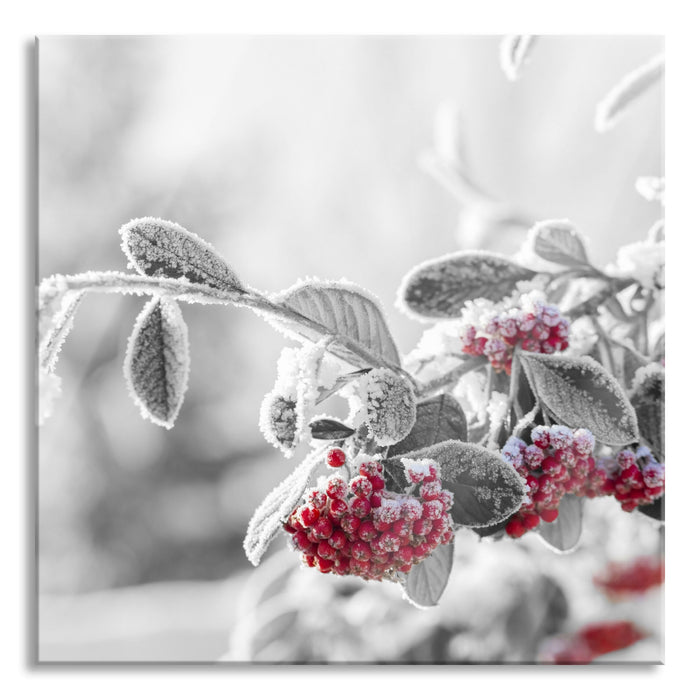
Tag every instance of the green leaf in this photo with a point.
(157, 361)
(558, 241)
(565, 532)
(486, 488)
(438, 288)
(580, 393)
(159, 248)
(276, 508)
(329, 429)
(438, 419)
(427, 580)
(345, 311)
(649, 402)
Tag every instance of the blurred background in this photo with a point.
(298, 156)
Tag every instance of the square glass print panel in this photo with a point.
(439, 436)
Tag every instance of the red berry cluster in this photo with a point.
(631, 578)
(590, 642)
(360, 528)
(557, 462)
(537, 328)
(634, 478)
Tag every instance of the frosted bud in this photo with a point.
(278, 421)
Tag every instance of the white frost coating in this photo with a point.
(49, 391)
(514, 50)
(419, 467)
(623, 95)
(653, 369)
(157, 385)
(391, 406)
(653, 189)
(644, 261)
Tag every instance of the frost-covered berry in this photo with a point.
(335, 458)
(341, 531)
(561, 437)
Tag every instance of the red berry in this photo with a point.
(361, 551)
(531, 520)
(549, 515)
(335, 458)
(324, 565)
(337, 539)
(350, 523)
(337, 487)
(322, 528)
(337, 507)
(367, 531)
(360, 507)
(515, 527)
(326, 550)
(377, 483)
(308, 515)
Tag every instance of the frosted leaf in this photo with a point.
(486, 488)
(391, 406)
(559, 242)
(564, 533)
(438, 288)
(627, 91)
(438, 419)
(327, 388)
(278, 422)
(55, 323)
(653, 189)
(160, 248)
(579, 392)
(649, 401)
(323, 428)
(514, 50)
(277, 507)
(344, 311)
(157, 362)
(426, 581)
(49, 391)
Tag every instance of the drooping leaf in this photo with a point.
(565, 532)
(391, 406)
(514, 50)
(626, 93)
(276, 508)
(438, 419)
(329, 429)
(581, 393)
(559, 242)
(157, 362)
(57, 327)
(485, 487)
(427, 580)
(649, 402)
(438, 288)
(159, 248)
(347, 312)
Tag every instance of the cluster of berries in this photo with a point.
(631, 578)
(634, 478)
(590, 642)
(360, 528)
(537, 327)
(559, 461)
